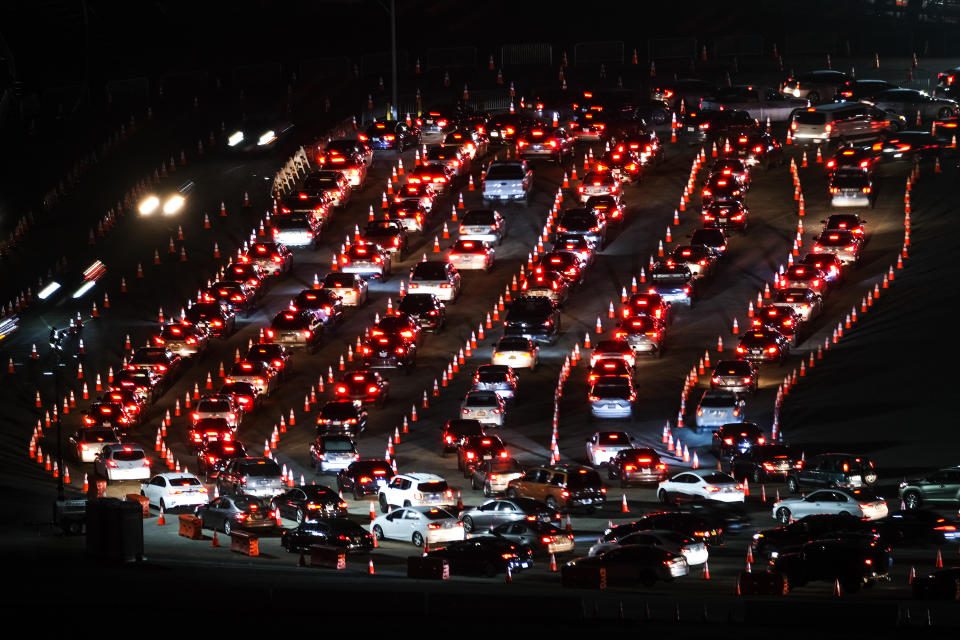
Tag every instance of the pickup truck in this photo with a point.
(507, 180)
(760, 102)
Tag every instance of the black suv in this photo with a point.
(852, 562)
(341, 417)
(533, 317)
(833, 470)
(457, 430)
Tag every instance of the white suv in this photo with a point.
(415, 489)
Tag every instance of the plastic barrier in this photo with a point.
(762, 584)
(328, 557)
(245, 542)
(98, 489)
(144, 502)
(583, 577)
(427, 568)
(191, 527)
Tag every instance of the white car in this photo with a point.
(695, 551)
(485, 225)
(439, 278)
(804, 302)
(603, 446)
(90, 441)
(351, 288)
(215, 406)
(856, 502)
(419, 525)
(485, 406)
(169, 490)
(517, 353)
(471, 254)
(122, 462)
(415, 490)
(700, 485)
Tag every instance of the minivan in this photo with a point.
(839, 122)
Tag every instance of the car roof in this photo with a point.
(422, 477)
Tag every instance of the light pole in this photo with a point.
(393, 55)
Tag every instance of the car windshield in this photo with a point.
(338, 444)
(434, 487)
(416, 303)
(338, 411)
(260, 468)
(505, 172)
(429, 271)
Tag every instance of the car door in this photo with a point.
(485, 515)
(818, 502)
(840, 502)
(412, 521)
(393, 490)
(392, 524)
(218, 512)
(936, 487)
(153, 490)
(295, 499)
(507, 512)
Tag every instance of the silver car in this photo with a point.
(485, 406)
(851, 188)
(89, 442)
(815, 86)
(122, 462)
(486, 225)
(760, 102)
(805, 303)
(439, 278)
(737, 376)
(910, 102)
(612, 398)
(493, 476)
(508, 181)
(498, 378)
(499, 510)
(719, 407)
(260, 477)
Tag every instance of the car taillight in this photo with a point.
(771, 349)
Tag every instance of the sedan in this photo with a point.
(485, 556)
(169, 490)
(699, 485)
(420, 525)
(485, 406)
(236, 512)
(693, 550)
(498, 378)
(853, 501)
(471, 255)
(89, 442)
(911, 102)
(516, 352)
(633, 564)
(484, 225)
(351, 288)
(636, 465)
(807, 304)
(764, 345)
(542, 537)
(438, 278)
(718, 407)
(499, 510)
(738, 376)
(309, 503)
(366, 260)
(340, 533)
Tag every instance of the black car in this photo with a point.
(322, 302)
(275, 356)
(910, 146)
(709, 125)
(365, 477)
(721, 188)
(215, 317)
(237, 295)
(757, 148)
(426, 309)
(858, 90)
(160, 360)
(145, 384)
(341, 417)
(673, 282)
(340, 533)
(636, 465)
(214, 454)
(533, 317)
(763, 462)
(207, 430)
(917, 527)
(852, 562)
(457, 430)
(697, 526)
(484, 556)
(390, 235)
(713, 238)
(244, 394)
(309, 502)
(942, 584)
(735, 438)
(633, 564)
(730, 214)
(388, 352)
(791, 537)
(391, 135)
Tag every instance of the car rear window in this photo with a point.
(613, 438)
(850, 181)
(214, 405)
(129, 455)
(184, 482)
(98, 435)
(717, 478)
(338, 411)
(513, 344)
(614, 390)
(337, 282)
(502, 172)
(429, 271)
(290, 321)
(718, 400)
(433, 487)
(291, 221)
(260, 468)
(810, 117)
(491, 376)
(436, 514)
(416, 303)
(481, 400)
(337, 444)
(508, 466)
(584, 479)
(478, 218)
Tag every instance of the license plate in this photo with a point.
(488, 457)
(756, 352)
(481, 413)
(383, 354)
(690, 129)
(511, 357)
(723, 220)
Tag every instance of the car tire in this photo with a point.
(792, 486)
(783, 515)
(487, 491)
(384, 505)
(227, 527)
(512, 493)
(911, 500)
(406, 503)
(468, 525)
(298, 516)
(377, 532)
(417, 539)
(757, 476)
(489, 570)
(551, 502)
(663, 496)
(944, 113)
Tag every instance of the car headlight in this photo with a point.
(266, 138)
(235, 138)
(148, 205)
(173, 204)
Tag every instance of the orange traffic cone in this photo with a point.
(161, 521)
(370, 569)
(624, 508)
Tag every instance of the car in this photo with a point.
(546, 284)
(560, 487)
(182, 338)
(721, 188)
(353, 168)
(471, 254)
(718, 407)
(804, 276)
(913, 104)
(610, 368)
(310, 502)
(389, 235)
(312, 198)
(610, 207)
(612, 397)
(297, 229)
(626, 165)
(507, 181)
(485, 556)
(941, 486)
(215, 317)
(494, 475)
(365, 477)
(416, 490)
(485, 406)
(419, 191)
(170, 490)
(843, 243)
(644, 334)
(214, 455)
(738, 376)
(532, 317)
(851, 156)
(910, 146)
(345, 148)
(472, 143)
(940, 584)
(238, 512)
(332, 452)
(499, 378)
(484, 225)
(805, 303)
(450, 157)
(542, 538)
(207, 430)
(160, 360)
(713, 238)
(504, 127)
(351, 288)
(703, 126)
(399, 325)
(90, 441)
(257, 477)
(127, 398)
(695, 525)
(736, 438)
(274, 355)
(395, 135)
(634, 564)
(694, 551)
(861, 90)
(699, 485)
(673, 282)
(237, 295)
(760, 102)
(244, 395)
(363, 387)
(341, 417)
(259, 133)
(842, 122)
(424, 308)
(851, 188)
(848, 221)
(815, 86)
(122, 461)
(698, 258)
(144, 383)
(586, 223)
(474, 450)
(757, 148)
(618, 349)
(725, 215)
(388, 351)
(732, 167)
(456, 431)
(546, 142)
(439, 278)
(323, 303)
(683, 91)
(641, 464)
(788, 538)
(764, 345)
(599, 183)
(833, 471)
(432, 177)
(496, 511)
(829, 263)
(917, 527)
(264, 378)
(248, 273)
(411, 213)
(603, 446)
(565, 262)
(366, 260)
(339, 533)
(782, 319)
(852, 563)
(107, 414)
(273, 257)
(577, 244)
